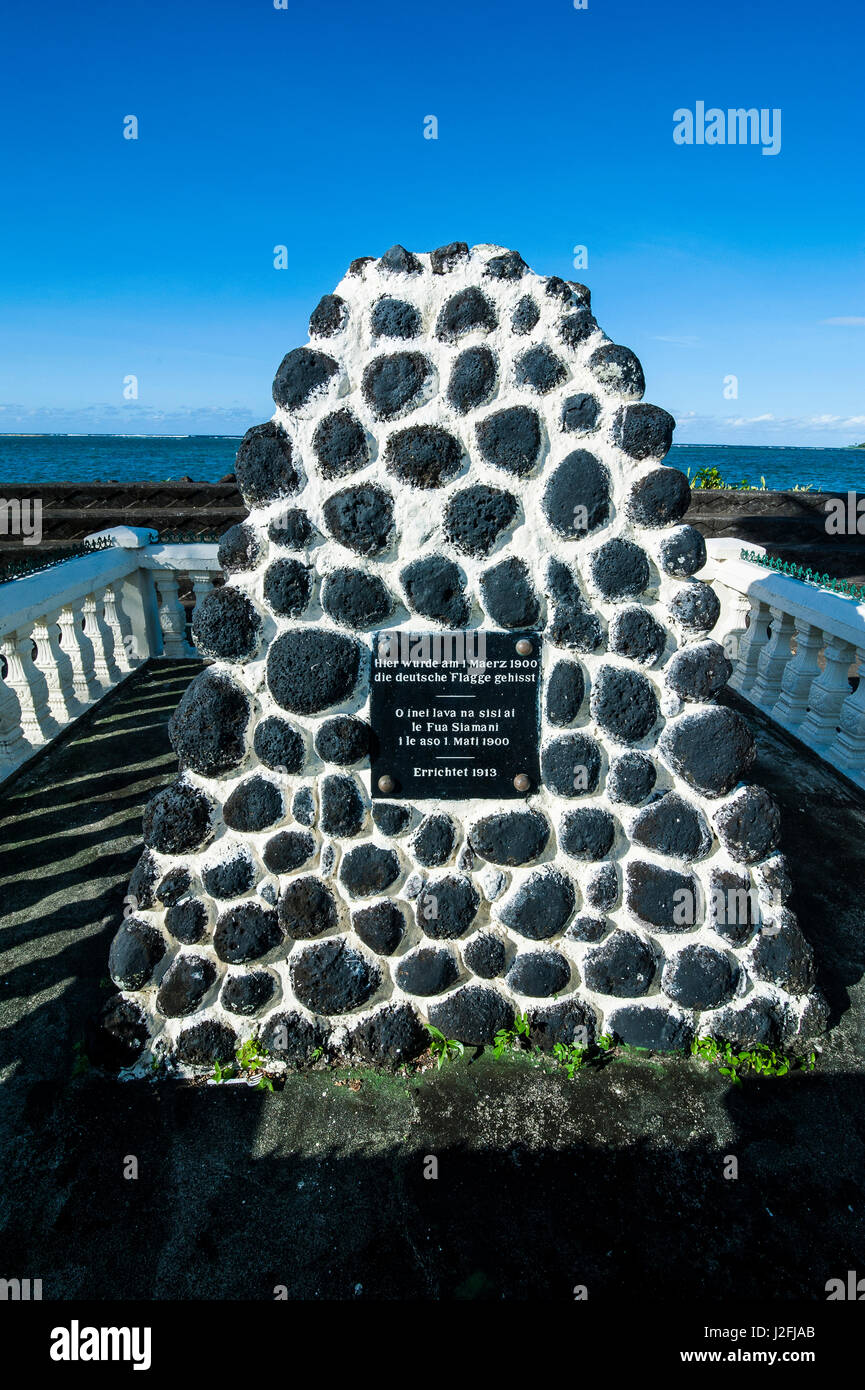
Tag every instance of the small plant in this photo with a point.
(442, 1048)
(250, 1058)
(222, 1073)
(571, 1057)
(507, 1039)
(759, 1060)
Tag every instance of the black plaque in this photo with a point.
(455, 715)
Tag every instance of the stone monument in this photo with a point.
(458, 753)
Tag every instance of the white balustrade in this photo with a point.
(74, 632)
(796, 657)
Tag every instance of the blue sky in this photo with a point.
(304, 127)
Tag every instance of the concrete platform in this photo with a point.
(614, 1180)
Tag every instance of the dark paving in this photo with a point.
(614, 1180)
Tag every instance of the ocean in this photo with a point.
(87, 458)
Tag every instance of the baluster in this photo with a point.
(752, 644)
(47, 660)
(64, 697)
(800, 674)
(848, 750)
(76, 644)
(113, 610)
(24, 680)
(202, 583)
(94, 630)
(772, 660)
(172, 615)
(13, 745)
(828, 694)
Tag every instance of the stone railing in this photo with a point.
(70, 634)
(794, 649)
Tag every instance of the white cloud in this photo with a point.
(850, 321)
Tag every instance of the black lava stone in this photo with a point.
(732, 907)
(292, 1038)
(624, 703)
(581, 293)
(674, 827)
(300, 375)
(475, 518)
(303, 806)
(620, 569)
(178, 819)
(682, 552)
(428, 970)
(391, 1035)
(473, 379)
(699, 671)
(619, 370)
(485, 955)
(174, 885)
(658, 1030)
(659, 498)
(588, 833)
(698, 977)
(423, 456)
(287, 587)
(754, 1025)
(358, 265)
(389, 818)
(340, 444)
(785, 958)
(306, 908)
(246, 994)
(444, 258)
(696, 607)
(360, 518)
(541, 905)
(253, 805)
(398, 261)
(511, 439)
(571, 765)
(447, 907)
(184, 985)
(434, 588)
(332, 977)
(342, 808)
(356, 599)
(712, 749)
(569, 1022)
(368, 869)
(508, 266)
(433, 844)
(329, 316)
(525, 315)
(588, 928)
(380, 927)
(539, 368)
(577, 496)
(643, 431)
(636, 634)
(509, 595)
(573, 624)
(278, 744)
(187, 920)
(226, 625)
(510, 837)
(135, 952)
(539, 974)
(291, 529)
(663, 898)
(288, 850)
(230, 878)
(142, 881)
(749, 825)
(309, 669)
(576, 328)
(557, 288)
(246, 932)
(342, 740)
(631, 777)
(580, 413)
(264, 467)
(566, 688)
(623, 967)
(395, 318)
(467, 311)
(205, 1043)
(396, 382)
(117, 1035)
(239, 548)
(473, 1015)
(602, 888)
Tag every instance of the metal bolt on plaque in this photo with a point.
(524, 647)
(522, 782)
(386, 784)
